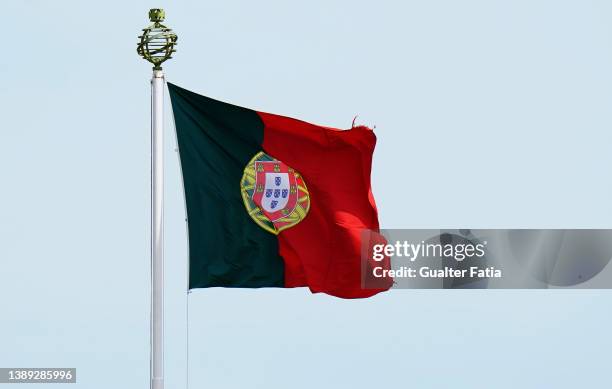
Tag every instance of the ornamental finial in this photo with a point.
(157, 41)
(157, 15)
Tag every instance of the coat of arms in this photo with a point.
(274, 194)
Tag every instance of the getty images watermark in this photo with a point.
(40, 375)
(464, 258)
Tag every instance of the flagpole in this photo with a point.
(157, 230)
(156, 46)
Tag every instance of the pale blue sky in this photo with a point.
(489, 114)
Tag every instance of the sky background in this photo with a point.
(489, 114)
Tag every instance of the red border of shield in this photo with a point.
(263, 167)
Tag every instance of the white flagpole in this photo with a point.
(156, 46)
(157, 230)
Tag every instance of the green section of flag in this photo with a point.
(216, 141)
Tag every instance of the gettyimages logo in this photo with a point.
(453, 258)
(412, 252)
(462, 258)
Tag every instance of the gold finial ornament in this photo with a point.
(157, 15)
(157, 41)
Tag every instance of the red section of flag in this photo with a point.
(324, 251)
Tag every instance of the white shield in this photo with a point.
(276, 191)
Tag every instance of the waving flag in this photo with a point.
(274, 201)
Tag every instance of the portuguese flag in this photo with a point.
(274, 201)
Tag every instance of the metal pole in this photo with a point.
(157, 230)
(156, 46)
